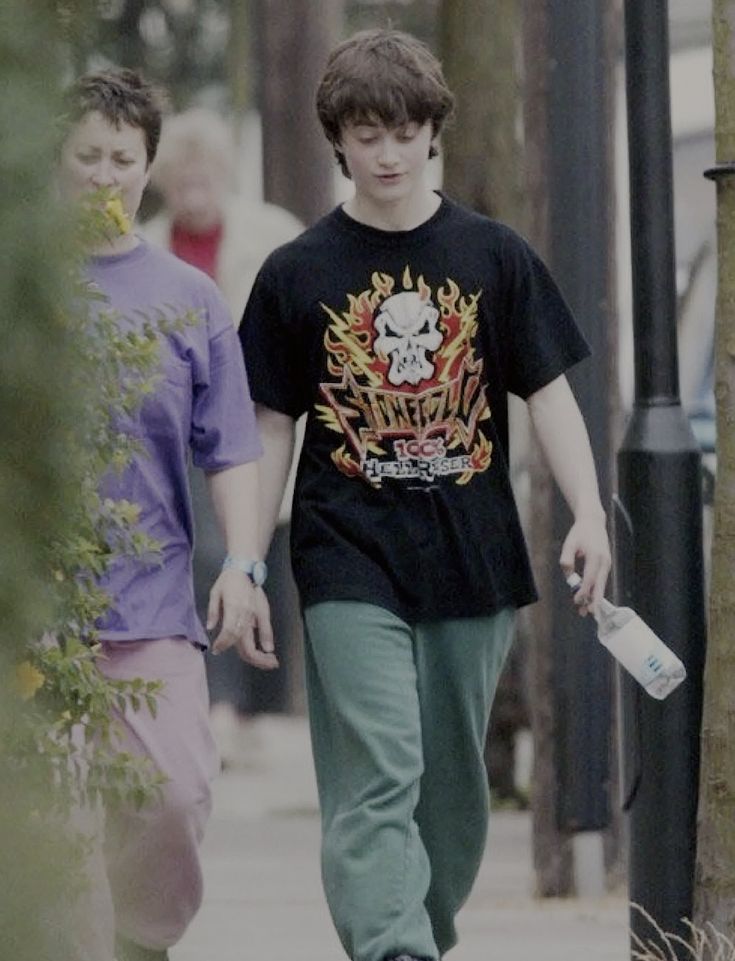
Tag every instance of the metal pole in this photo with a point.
(581, 239)
(659, 550)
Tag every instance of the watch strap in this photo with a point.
(257, 571)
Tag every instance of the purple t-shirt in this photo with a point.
(200, 403)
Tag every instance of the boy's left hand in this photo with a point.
(588, 539)
(244, 616)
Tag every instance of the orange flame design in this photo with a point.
(480, 459)
(345, 462)
(459, 319)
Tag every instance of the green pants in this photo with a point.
(398, 719)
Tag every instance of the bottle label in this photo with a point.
(646, 657)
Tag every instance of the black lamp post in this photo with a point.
(659, 520)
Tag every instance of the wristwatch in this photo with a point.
(257, 571)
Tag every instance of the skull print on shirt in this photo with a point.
(409, 332)
(408, 391)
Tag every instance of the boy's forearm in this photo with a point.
(277, 432)
(563, 437)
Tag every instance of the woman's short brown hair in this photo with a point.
(121, 96)
(383, 75)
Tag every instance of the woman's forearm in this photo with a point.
(234, 493)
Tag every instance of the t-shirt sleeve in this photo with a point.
(224, 431)
(544, 338)
(272, 347)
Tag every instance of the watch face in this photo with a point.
(260, 572)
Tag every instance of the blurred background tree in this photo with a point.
(207, 48)
(480, 44)
(181, 44)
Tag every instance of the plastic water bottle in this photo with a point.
(634, 645)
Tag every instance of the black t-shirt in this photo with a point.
(402, 347)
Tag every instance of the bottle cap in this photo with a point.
(574, 580)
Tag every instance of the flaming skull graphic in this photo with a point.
(408, 396)
(409, 332)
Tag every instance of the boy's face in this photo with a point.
(97, 154)
(387, 164)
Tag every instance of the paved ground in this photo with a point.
(264, 899)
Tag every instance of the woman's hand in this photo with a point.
(244, 616)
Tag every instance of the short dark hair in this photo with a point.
(121, 96)
(384, 75)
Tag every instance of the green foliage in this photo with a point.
(67, 363)
(37, 470)
(62, 739)
(36, 477)
(63, 732)
(57, 713)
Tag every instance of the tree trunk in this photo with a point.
(478, 41)
(131, 49)
(483, 169)
(486, 168)
(715, 873)
(239, 63)
(294, 39)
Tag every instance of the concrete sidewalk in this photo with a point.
(263, 897)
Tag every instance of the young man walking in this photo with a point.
(399, 323)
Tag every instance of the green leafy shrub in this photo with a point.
(60, 379)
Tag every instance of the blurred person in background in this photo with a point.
(207, 223)
(204, 220)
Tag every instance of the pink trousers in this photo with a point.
(153, 884)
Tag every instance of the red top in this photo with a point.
(201, 250)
